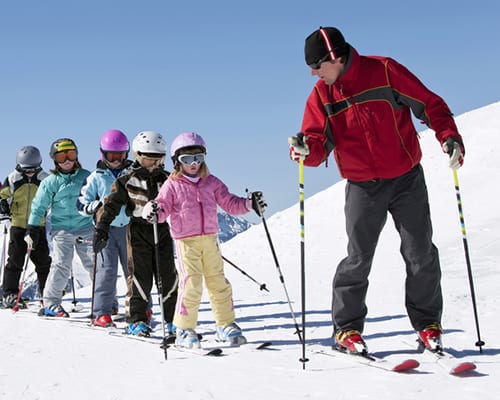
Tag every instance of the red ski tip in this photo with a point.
(462, 367)
(406, 365)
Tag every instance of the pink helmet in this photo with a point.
(114, 140)
(186, 139)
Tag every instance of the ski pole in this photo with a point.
(74, 302)
(4, 253)
(479, 342)
(261, 285)
(303, 359)
(282, 279)
(21, 285)
(92, 297)
(158, 280)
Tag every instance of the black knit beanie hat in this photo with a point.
(325, 41)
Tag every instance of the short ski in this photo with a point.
(158, 340)
(367, 359)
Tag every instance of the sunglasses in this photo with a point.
(191, 159)
(63, 156)
(317, 64)
(112, 156)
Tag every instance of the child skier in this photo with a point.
(59, 192)
(114, 147)
(132, 191)
(190, 198)
(16, 198)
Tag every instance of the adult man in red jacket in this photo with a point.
(360, 108)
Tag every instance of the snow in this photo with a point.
(57, 359)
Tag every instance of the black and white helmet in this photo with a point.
(28, 158)
(149, 142)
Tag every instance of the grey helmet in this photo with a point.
(28, 159)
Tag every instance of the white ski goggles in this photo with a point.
(191, 159)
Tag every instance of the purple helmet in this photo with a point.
(114, 140)
(186, 139)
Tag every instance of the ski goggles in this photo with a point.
(152, 156)
(30, 170)
(64, 156)
(317, 64)
(112, 156)
(191, 159)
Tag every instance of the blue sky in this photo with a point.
(232, 71)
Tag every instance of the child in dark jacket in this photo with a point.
(133, 190)
(16, 197)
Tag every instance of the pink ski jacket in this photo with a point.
(192, 207)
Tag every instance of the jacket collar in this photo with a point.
(351, 69)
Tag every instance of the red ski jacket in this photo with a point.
(365, 119)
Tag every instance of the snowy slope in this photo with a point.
(55, 359)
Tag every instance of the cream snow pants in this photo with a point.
(198, 259)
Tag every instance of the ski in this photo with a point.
(368, 359)
(119, 318)
(250, 346)
(264, 345)
(78, 322)
(158, 340)
(77, 307)
(67, 319)
(171, 338)
(34, 313)
(445, 360)
(450, 363)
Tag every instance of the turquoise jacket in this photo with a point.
(59, 194)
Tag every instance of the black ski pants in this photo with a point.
(142, 269)
(16, 260)
(366, 207)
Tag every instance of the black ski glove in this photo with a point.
(92, 207)
(258, 202)
(100, 237)
(4, 207)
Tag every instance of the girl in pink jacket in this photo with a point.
(190, 197)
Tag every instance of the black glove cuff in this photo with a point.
(33, 230)
(102, 227)
(451, 141)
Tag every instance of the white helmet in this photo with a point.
(149, 142)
